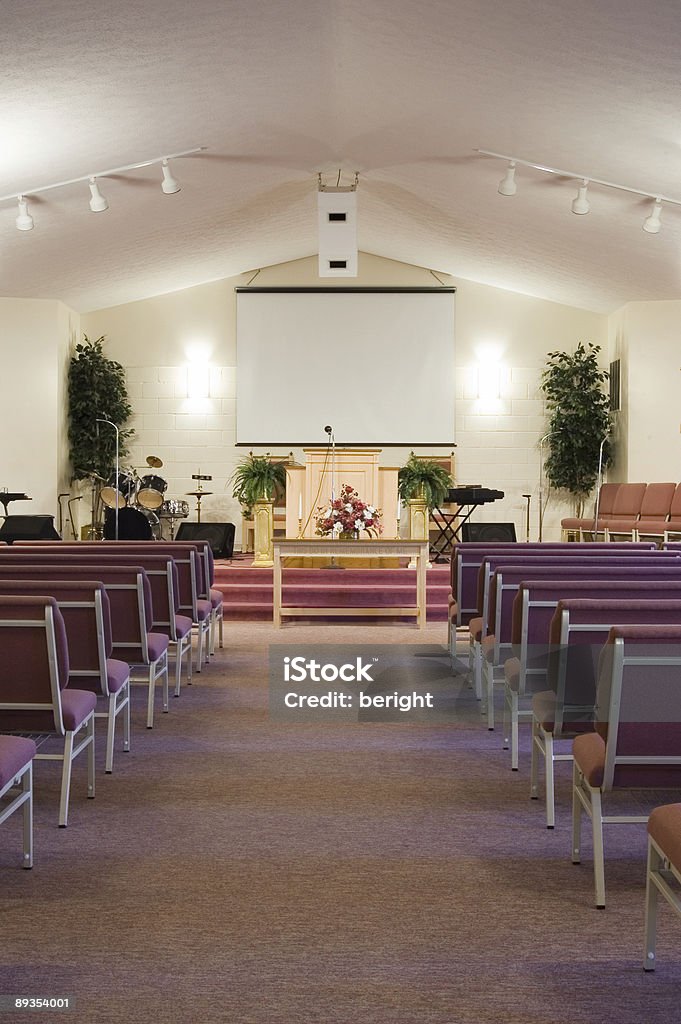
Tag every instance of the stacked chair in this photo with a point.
(632, 511)
(78, 623)
(34, 698)
(586, 641)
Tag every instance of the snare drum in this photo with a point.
(152, 489)
(174, 508)
(119, 491)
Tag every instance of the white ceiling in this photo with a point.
(400, 90)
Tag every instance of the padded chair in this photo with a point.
(16, 783)
(657, 531)
(578, 630)
(626, 509)
(34, 698)
(606, 501)
(129, 593)
(87, 619)
(637, 742)
(663, 875)
(654, 511)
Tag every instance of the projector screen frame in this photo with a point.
(347, 290)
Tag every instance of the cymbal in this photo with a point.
(198, 494)
(154, 461)
(92, 475)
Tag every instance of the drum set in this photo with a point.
(143, 499)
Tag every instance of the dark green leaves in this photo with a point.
(96, 389)
(257, 478)
(424, 478)
(579, 419)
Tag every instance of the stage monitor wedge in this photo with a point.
(480, 532)
(220, 536)
(28, 528)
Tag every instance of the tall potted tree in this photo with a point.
(579, 421)
(96, 389)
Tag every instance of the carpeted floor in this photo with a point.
(252, 871)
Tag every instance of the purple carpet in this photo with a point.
(236, 869)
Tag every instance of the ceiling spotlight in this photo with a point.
(97, 203)
(507, 185)
(580, 204)
(168, 185)
(652, 222)
(24, 221)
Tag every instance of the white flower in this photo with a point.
(337, 527)
(367, 513)
(348, 507)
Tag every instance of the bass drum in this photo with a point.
(119, 491)
(133, 524)
(151, 491)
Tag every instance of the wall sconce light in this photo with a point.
(198, 380)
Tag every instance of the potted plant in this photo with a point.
(423, 484)
(579, 421)
(255, 483)
(96, 389)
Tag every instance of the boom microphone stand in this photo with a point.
(600, 481)
(103, 419)
(541, 480)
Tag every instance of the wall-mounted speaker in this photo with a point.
(28, 528)
(477, 532)
(220, 536)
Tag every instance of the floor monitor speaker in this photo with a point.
(220, 536)
(28, 528)
(477, 532)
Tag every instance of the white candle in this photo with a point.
(399, 508)
(300, 506)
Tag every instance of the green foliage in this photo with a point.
(257, 478)
(96, 389)
(423, 478)
(579, 419)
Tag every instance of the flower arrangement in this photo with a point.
(347, 514)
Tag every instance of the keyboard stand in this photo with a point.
(449, 529)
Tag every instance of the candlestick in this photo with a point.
(300, 506)
(300, 528)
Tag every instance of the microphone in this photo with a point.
(329, 430)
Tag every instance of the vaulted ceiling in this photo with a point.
(399, 90)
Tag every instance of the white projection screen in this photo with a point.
(375, 364)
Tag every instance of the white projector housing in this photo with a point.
(337, 219)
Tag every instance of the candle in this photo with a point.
(300, 506)
(399, 508)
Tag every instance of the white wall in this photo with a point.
(36, 335)
(645, 336)
(496, 438)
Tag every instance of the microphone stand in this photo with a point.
(332, 443)
(528, 499)
(103, 419)
(541, 480)
(600, 481)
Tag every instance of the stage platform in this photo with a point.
(248, 591)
